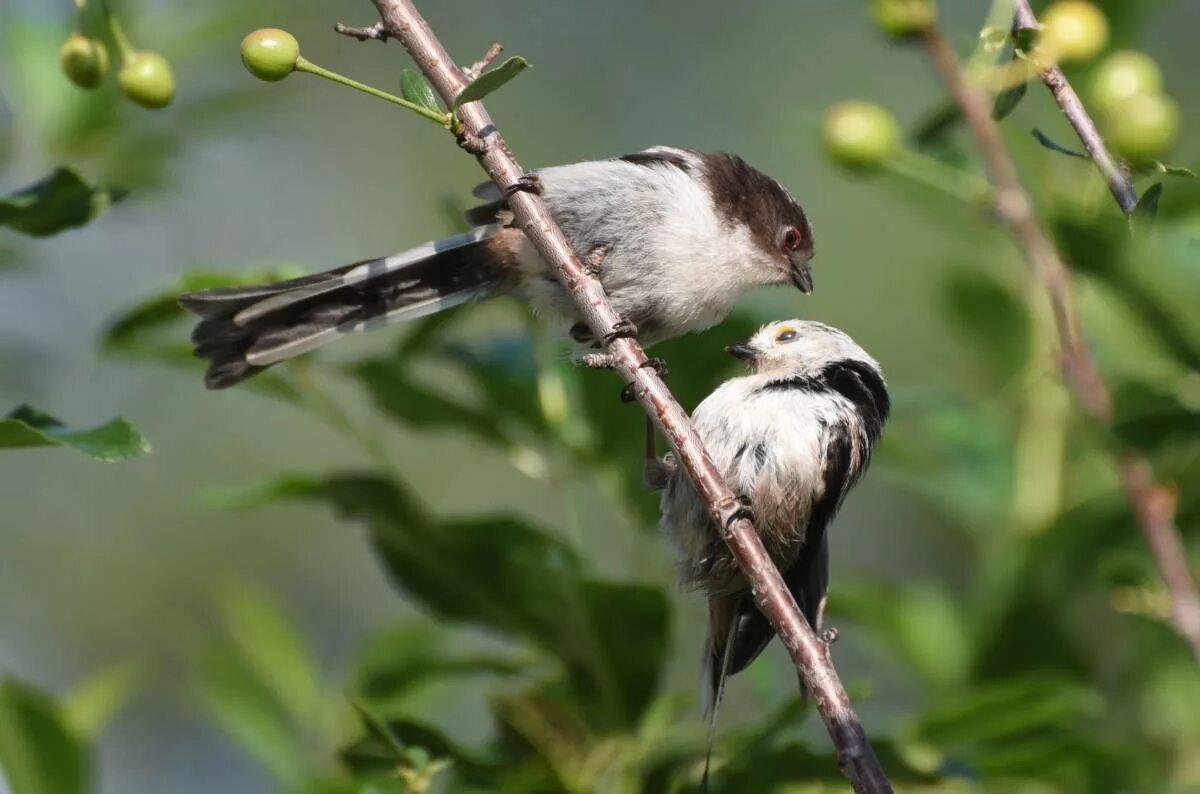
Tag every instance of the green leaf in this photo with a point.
(1102, 249)
(1009, 98)
(59, 202)
(1021, 726)
(26, 428)
(1143, 215)
(397, 661)
(1150, 418)
(1142, 168)
(489, 81)
(1044, 140)
(992, 318)
(502, 574)
(236, 700)
(1024, 39)
(1173, 170)
(414, 404)
(416, 89)
(921, 624)
(92, 704)
(934, 127)
(272, 649)
(376, 753)
(38, 751)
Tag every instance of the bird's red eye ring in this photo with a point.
(793, 238)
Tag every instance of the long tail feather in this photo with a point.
(244, 330)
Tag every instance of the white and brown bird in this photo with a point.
(792, 438)
(681, 233)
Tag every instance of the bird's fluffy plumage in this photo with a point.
(793, 436)
(685, 234)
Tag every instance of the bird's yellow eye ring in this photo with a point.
(786, 335)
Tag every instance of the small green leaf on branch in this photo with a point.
(489, 81)
(416, 89)
(26, 427)
(59, 202)
(1055, 147)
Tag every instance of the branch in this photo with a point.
(376, 32)
(1119, 183)
(480, 66)
(1153, 512)
(809, 653)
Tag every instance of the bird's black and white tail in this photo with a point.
(244, 330)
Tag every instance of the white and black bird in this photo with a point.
(677, 235)
(792, 438)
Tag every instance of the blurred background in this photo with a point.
(1001, 625)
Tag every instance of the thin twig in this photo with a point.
(1155, 517)
(480, 66)
(1068, 101)
(376, 32)
(855, 754)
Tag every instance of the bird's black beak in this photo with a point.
(801, 274)
(743, 351)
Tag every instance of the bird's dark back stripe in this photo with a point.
(862, 385)
(651, 159)
(807, 383)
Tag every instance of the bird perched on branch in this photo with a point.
(792, 438)
(674, 236)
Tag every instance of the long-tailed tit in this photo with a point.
(675, 236)
(792, 438)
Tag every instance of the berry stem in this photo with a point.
(929, 171)
(305, 65)
(124, 45)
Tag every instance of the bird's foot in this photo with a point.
(830, 635)
(623, 329)
(744, 510)
(526, 183)
(629, 393)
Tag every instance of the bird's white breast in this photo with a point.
(770, 447)
(672, 265)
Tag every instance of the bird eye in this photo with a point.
(786, 335)
(792, 239)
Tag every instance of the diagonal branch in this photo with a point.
(1151, 504)
(1068, 101)
(810, 654)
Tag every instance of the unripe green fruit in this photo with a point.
(1122, 76)
(146, 79)
(84, 61)
(860, 135)
(270, 54)
(1144, 126)
(1072, 30)
(904, 18)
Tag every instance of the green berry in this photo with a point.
(860, 135)
(1122, 76)
(146, 79)
(1143, 127)
(84, 61)
(904, 18)
(270, 54)
(1072, 30)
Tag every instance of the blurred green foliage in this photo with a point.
(1050, 666)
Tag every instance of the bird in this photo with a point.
(674, 236)
(791, 438)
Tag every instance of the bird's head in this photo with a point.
(799, 348)
(779, 230)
